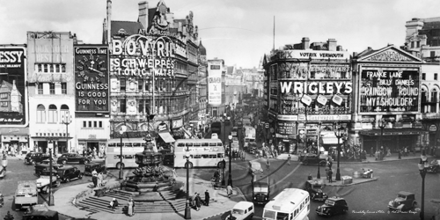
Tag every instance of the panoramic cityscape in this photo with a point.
(142, 122)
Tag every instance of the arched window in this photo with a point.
(52, 116)
(424, 95)
(41, 114)
(434, 99)
(64, 110)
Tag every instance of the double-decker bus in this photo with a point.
(291, 203)
(130, 148)
(201, 152)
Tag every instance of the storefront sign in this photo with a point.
(162, 127)
(329, 117)
(313, 88)
(288, 128)
(143, 55)
(91, 78)
(287, 117)
(310, 54)
(389, 90)
(13, 92)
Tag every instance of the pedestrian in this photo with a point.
(198, 202)
(288, 159)
(229, 190)
(330, 175)
(99, 180)
(94, 178)
(114, 203)
(207, 198)
(268, 163)
(130, 207)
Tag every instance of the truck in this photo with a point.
(26, 194)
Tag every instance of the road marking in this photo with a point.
(291, 172)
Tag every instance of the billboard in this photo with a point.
(91, 78)
(214, 84)
(13, 94)
(389, 90)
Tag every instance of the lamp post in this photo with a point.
(121, 131)
(51, 198)
(423, 164)
(319, 163)
(339, 134)
(187, 208)
(223, 168)
(230, 161)
(67, 119)
(381, 126)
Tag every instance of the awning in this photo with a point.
(166, 137)
(392, 132)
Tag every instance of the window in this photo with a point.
(63, 68)
(100, 124)
(423, 76)
(51, 69)
(123, 84)
(40, 88)
(435, 76)
(57, 68)
(432, 53)
(52, 88)
(63, 88)
(141, 106)
(45, 68)
(41, 114)
(52, 114)
(84, 124)
(418, 44)
(95, 124)
(140, 85)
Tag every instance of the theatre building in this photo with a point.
(387, 110)
(308, 94)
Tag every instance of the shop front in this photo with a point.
(15, 144)
(393, 139)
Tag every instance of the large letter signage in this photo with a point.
(13, 94)
(389, 90)
(91, 78)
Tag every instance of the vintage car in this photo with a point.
(68, 173)
(40, 212)
(45, 166)
(314, 187)
(332, 206)
(43, 181)
(73, 158)
(405, 201)
(34, 158)
(260, 190)
(313, 159)
(255, 168)
(434, 167)
(242, 210)
(99, 167)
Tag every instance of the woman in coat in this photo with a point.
(130, 210)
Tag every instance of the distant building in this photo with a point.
(423, 38)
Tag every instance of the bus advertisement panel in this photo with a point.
(201, 152)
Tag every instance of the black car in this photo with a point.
(99, 167)
(68, 173)
(73, 158)
(313, 159)
(33, 158)
(314, 187)
(45, 166)
(332, 206)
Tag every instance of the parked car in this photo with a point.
(333, 206)
(45, 166)
(35, 157)
(405, 201)
(313, 159)
(43, 181)
(434, 167)
(314, 187)
(68, 173)
(242, 210)
(73, 158)
(99, 167)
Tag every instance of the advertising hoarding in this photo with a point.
(91, 78)
(389, 90)
(13, 94)
(215, 84)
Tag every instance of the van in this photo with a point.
(242, 210)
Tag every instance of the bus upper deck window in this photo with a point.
(219, 144)
(212, 144)
(204, 144)
(196, 144)
(180, 145)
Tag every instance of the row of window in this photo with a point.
(424, 76)
(162, 105)
(51, 88)
(92, 124)
(50, 67)
(51, 115)
(160, 84)
(204, 156)
(218, 144)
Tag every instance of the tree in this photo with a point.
(9, 216)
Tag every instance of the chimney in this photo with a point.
(331, 44)
(109, 21)
(305, 43)
(143, 14)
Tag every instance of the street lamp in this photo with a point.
(319, 162)
(423, 164)
(223, 168)
(230, 161)
(382, 124)
(339, 134)
(67, 119)
(51, 198)
(121, 131)
(187, 208)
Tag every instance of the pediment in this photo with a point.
(389, 54)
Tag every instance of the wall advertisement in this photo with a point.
(13, 94)
(215, 85)
(389, 90)
(91, 78)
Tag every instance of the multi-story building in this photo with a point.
(233, 86)
(13, 99)
(51, 89)
(308, 93)
(203, 86)
(423, 38)
(151, 60)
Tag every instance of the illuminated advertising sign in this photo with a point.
(311, 54)
(214, 85)
(389, 90)
(13, 94)
(91, 78)
(139, 55)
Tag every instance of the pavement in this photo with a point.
(219, 203)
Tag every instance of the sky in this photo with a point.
(238, 31)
